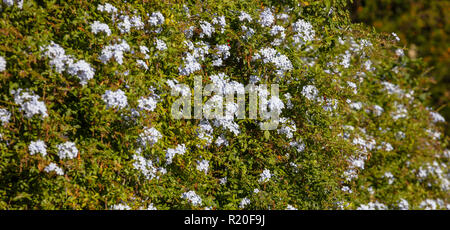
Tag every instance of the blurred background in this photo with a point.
(424, 28)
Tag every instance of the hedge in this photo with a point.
(87, 91)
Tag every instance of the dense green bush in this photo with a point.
(354, 131)
(424, 27)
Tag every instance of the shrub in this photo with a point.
(94, 83)
(424, 28)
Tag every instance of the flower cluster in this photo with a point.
(265, 176)
(147, 103)
(62, 62)
(37, 147)
(271, 55)
(67, 150)
(116, 51)
(304, 30)
(146, 167)
(156, 19)
(52, 167)
(149, 137)
(192, 197)
(170, 153)
(115, 99)
(244, 202)
(203, 166)
(29, 103)
(14, 2)
(266, 18)
(5, 116)
(97, 27)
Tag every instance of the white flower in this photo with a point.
(373, 206)
(245, 17)
(115, 99)
(189, 32)
(244, 202)
(121, 207)
(290, 207)
(392, 88)
(353, 86)
(192, 197)
(389, 176)
(115, 51)
(62, 62)
(275, 104)
(400, 112)
(156, 19)
(298, 145)
(57, 55)
(387, 146)
(29, 103)
(288, 127)
(378, 110)
(160, 45)
(266, 18)
(149, 137)
(203, 165)
(221, 22)
(310, 92)
(146, 167)
(221, 141)
(179, 88)
(207, 29)
(346, 189)
(2, 64)
(356, 105)
(249, 32)
(82, 70)
(204, 132)
(148, 104)
(126, 23)
(403, 204)
(37, 147)
(144, 50)
(368, 65)
(223, 51)
(67, 150)
(97, 27)
(396, 38)
(284, 17)
(223, 180)
(436, 117)
(304, 30)
(52, 167)
(265, 176)
(5, 116)
(142, 64)
(270, 55)
(429, 204)
(346, 58)
(275, 31)
(190, 65)
(8, 2)
(12, 2)
(107, 8)
(170, 153)
(151, 207)
(399, 52)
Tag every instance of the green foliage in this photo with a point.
(103, 175)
